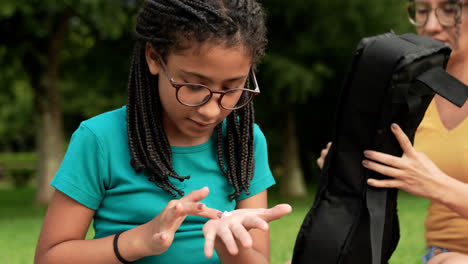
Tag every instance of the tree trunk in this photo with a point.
(50, 147)
(49, 123)
(292, 180)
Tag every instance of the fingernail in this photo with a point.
(365, 163)
(219, 214)
(394, 126)
(199, 206)
(366, 153)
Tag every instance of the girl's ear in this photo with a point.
(152, 59)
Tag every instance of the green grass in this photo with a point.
(18, 157)
(20, 224)
(412, 211)
(21, 220)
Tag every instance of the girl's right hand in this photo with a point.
(166, 223)
(323, 154)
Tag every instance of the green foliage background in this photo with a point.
(311, 43)
(311, 46)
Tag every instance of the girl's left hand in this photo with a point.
(414, 172)
(236, 226)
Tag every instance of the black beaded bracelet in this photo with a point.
(116, 249)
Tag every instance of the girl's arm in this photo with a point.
(244, 236)
(415, 173)
(67, 222)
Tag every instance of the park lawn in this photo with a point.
(21, 220)
(412, 211)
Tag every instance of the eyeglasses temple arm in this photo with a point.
(254, 79)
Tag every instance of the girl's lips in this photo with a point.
(201, 124)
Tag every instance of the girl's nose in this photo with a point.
(211, 109)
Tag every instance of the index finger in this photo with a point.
(207, 212)
(402, 139)
(177, 213)
(195, 196)
(277, 212)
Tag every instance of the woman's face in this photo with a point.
(210, 64)
(435, 30)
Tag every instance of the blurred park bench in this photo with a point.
(18, 167)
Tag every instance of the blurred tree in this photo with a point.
(36, 32)
(78, 52)
(16, 108)
(311, 44)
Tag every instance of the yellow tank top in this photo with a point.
(449, 151)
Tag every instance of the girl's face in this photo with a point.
(435, 30)
(210, 64)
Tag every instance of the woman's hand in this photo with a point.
(414, 172)
(323, 154)
(166, 223)
(236, 226)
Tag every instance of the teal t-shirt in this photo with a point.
(96, 172)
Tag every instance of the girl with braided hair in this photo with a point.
(436, 167)
(139, 173)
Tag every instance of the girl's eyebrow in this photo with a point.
(201, 76)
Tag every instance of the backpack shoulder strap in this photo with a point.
(445, 85)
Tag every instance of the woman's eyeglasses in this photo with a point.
(447, 13)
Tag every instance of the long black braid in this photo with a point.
(173, 25)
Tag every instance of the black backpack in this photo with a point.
(392, 79)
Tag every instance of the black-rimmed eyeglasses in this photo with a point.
(194, 94)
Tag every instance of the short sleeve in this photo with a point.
(263, 178)
(84, 169)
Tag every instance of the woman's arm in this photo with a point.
(244, 236)
(67, 222)
(415, 173)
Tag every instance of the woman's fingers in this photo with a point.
(390, 183)
(403, 139)
(323, 154)
(382, 169)
(383, 158)
(390, 160)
